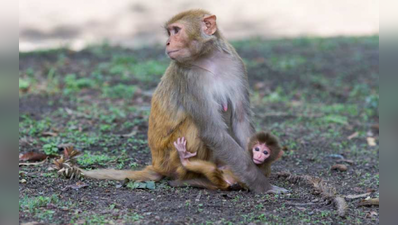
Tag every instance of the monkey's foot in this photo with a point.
(235, 187)
(277, 190)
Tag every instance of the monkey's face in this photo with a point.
(260, 153)
(178, 43)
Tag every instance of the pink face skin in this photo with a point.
(177, 45)
(260, 153)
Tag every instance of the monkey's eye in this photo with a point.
(176, 29)
(265, 153)
(256, 149)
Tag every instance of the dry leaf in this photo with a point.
(63, 146)
(32, 157)
(358, 189)
(25, 141)
(66, 163)
(259, 85)
(371, 214)
(369, 202)
(51, 168)
(70, 152)
(370, 133)
(354, 135)
(346, 161)
(375, 127)
(77, 186)
(340, 167)
(259, 59)
(371, 141)
(370, 190)
(49, 134)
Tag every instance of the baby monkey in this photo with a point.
(262, 147)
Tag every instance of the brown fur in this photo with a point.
(185, 104)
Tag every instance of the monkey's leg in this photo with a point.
(198, 183)
(209, 170)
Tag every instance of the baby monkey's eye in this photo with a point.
(256, 149)
(265, 153)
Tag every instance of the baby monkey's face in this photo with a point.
(260, 153)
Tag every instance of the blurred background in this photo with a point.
(137, 23)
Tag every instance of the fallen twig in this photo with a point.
(32, 164)
(78, 114)
(357, 196)
(131, 134)
(302, 204)
(321, 188)
(369, 202)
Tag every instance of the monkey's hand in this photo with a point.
(180, 145)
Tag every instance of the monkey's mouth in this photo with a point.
(169, 52)
(257, 161)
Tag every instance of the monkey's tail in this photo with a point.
(147, 174)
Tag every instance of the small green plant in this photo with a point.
(259, 206)
(89, 159)
(133, 217)
(24, 84)
(288, 62)
(372, 101)
(335, 119)
(50, 149)
(73, 84)
(133, 165)
(200, 207)
(142, 185)
(119, 91)
(32, 204)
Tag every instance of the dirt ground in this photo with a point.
(319, 96)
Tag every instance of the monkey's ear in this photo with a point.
(210, 24)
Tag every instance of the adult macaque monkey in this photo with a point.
(263, 148)
(204, 97)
